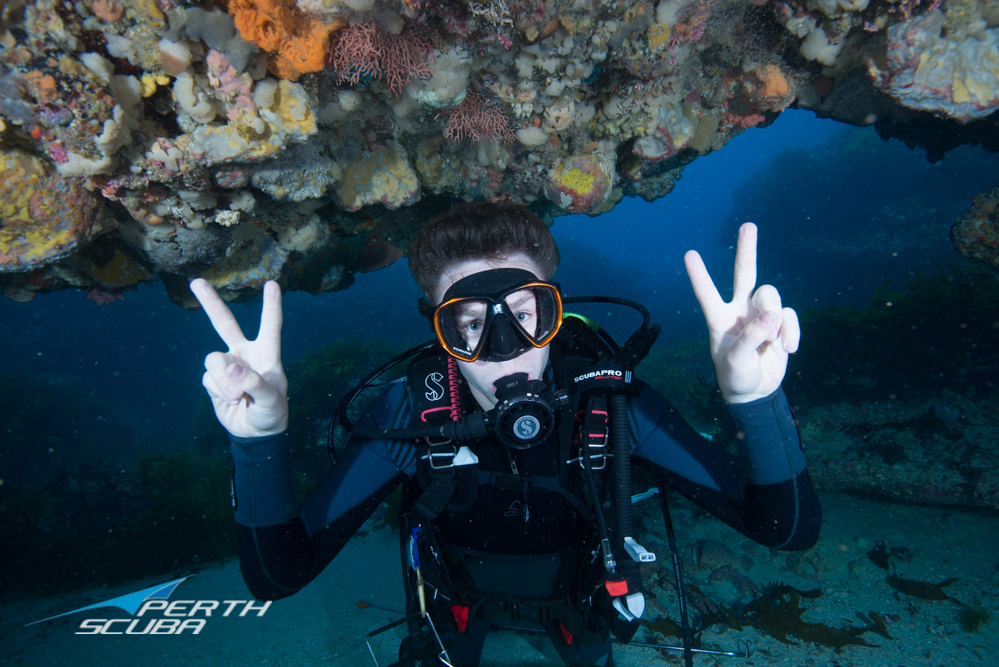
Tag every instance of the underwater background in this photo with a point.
(113, 469)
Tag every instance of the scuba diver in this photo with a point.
(513, 435)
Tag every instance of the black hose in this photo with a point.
(688, 656)
(621, 436)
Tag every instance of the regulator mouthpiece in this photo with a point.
(524, 415)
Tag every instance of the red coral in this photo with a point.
(744, 121)
(364, 51)
(476, 118)
(690, 27)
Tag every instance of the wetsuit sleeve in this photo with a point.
(283, 545)
(765, 492)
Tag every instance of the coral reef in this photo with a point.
(976, 235)
(953, 75)
(43, 216)
(167, 120)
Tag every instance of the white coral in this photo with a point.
(197, 105)
(558, 115)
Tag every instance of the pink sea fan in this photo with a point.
(476, 118)
(364, 51)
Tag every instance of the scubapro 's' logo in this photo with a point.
(526, 427)
(176, 617)
(433, 383)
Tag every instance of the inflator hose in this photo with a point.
(621, 436)
(622, 467)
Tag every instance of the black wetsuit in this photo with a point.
(764, 493)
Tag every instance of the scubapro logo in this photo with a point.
(436, 392)
(176, 617)
(601, 374)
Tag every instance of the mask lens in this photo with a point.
(460, 324)
(535, 310)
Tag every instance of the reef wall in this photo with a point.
(250, 140)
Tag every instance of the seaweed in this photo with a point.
(864, 354)
(99, 524)
(974, 617)
(316, 384)
(665, 626)
(879, 555)
(923, 590)
(778, 613)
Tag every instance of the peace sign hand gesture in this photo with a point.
(751, 335)
(247, 384)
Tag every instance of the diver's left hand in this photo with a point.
(751, 335)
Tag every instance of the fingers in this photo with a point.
(246, 382)
(764, 328)
(767, 299)
(745, 264)
(216, 379)
(221, 317)
(229, 379)
(704, 288)
(790, 331)
(271, 318)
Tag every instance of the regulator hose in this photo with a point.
(621, 436)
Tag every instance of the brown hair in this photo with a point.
(479, 230)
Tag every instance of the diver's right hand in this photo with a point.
(247, 384)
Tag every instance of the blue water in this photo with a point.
(144, 355)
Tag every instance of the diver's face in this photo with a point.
(482, 375)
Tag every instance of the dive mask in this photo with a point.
(497, 315)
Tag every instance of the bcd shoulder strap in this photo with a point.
(436, 394)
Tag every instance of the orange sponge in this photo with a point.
(298, 44)
(774, 82)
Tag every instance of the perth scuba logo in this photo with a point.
(176, 617)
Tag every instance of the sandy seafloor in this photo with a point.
(322, 625)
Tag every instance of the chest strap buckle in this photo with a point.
(441, 455)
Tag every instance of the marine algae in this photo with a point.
(778, 613)
(974, 617)
(923, 590)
